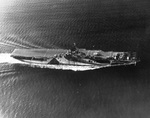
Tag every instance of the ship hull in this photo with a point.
(81, 59)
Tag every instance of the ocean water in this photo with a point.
(118, 92)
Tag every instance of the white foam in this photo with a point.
(6, 58)
(66, 67)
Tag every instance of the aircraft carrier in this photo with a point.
(75, 57)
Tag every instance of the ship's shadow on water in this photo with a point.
(110, 92)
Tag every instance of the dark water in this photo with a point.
(118, 92)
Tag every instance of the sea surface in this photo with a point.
(109, 25)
